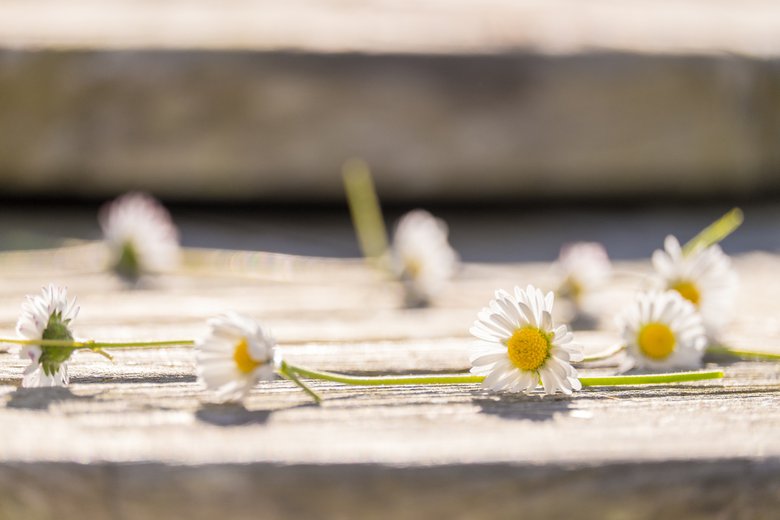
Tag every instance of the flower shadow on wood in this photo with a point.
(42, 398)
(231, 414)
(524, 407)
(159, 379)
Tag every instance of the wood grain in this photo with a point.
(141, 438)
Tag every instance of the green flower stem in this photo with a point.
(98, 344)
(746, 354)
(428, 379)
(715, 232)
(449, 379)
(285, 371)
(365, 210)
(652, 379)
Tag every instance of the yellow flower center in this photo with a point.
(688, 290)
(656, 340)
(412, 267)
(571, 288)
(243, 360)
(528, 348)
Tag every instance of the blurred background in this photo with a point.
(524, 124)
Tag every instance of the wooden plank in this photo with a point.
(140, 437)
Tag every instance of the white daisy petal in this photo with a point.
(510, 311)
(546, 321)
(483, 334)
(499, 379)
(502, 323)
(527, 381)
(576, 352)
(561, 355)
(548, 382)
(527, 313)
(486, 321)
(489, 358)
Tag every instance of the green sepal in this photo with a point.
(128, 265)
(52, 357)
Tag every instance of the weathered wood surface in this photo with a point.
(140, 438)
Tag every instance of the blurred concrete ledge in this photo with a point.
(194, 100)
(750, 27)
(675, 489)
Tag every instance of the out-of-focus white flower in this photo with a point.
(521, 345)
(47, 316)
(422, 256)
(704, 277)
(582, 267)
(234, 355)
(662, 330)
(141, 235)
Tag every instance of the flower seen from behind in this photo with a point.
(662, 330)
(47, 316)
(235, 354)
(140, 234)
(582, 267)
(422, 256)
(521, 346)
(704, 277)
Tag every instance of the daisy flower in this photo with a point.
(140, 234)
(662, 330)
(47, 316)
(583, 267)
(234, 355)
(704, 277)
(521, 345)
(422, 256)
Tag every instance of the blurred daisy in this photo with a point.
(141, 235)
(234, 355)
(662, 330)
(422, 256)
(521, 345)
(47, 316)
(583, 267)
(704, 277)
